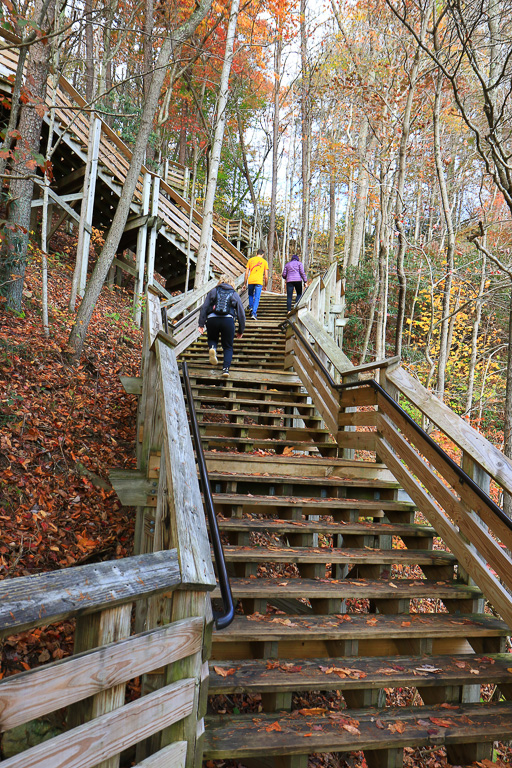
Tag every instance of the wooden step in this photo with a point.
(248, 554)
(263, 444)
(268, 382)
(354, 484)
(293, 630)
(203, 412)
(324, 526)
(261, 405)
(262, 431)
(345, 673)
(325, 506)
(340, 589)
(304, 732)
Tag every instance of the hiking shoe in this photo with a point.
(225, 373)
(253, 317)
(212, 356)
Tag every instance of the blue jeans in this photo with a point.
(254, 297)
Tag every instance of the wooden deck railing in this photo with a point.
(91, 684)
(324, 300)
(454, 499)
(170, 514)
(165, 586)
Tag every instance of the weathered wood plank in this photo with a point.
(173, 756)
(325, 343)
(470, 561)
(462, 489)
(474, 443)
(469, 525)
(380, 672)
(438, 625)
(35, 693)
(89, 744)
(189, 532)
(132, 486)
(332, 588)
(236, 737)
(30, 601)
(325, 400)
(132, 384)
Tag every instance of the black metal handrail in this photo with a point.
(463, 477)
(224, 619)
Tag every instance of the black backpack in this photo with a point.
(223, 301)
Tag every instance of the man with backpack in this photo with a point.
(217, 314)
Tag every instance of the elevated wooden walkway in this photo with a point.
(161, 228)
(345, 592)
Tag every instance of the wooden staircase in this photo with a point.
(344, 594)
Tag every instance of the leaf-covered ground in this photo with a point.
(61, 429)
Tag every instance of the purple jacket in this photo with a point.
(293, 271)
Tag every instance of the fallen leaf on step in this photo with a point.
(313, 711)
(460, 664)
(393, 585)
(405, 624)
(379, 724)
(282, 583)
(442, 723)
(274, 727)
(475, 671)
(224, 672)
(287, 451)
(445, 705)
(351, 729)
(372, 622)
(396, 727)
(428, 668)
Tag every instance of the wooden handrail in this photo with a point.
(465, 511)
(483, 453)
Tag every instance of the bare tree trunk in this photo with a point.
(89, 52)
(400, 202)
(169, 45)
(332, 217)
(203, 251)
(14, 249)
(450, 248)
(275, 154)
(305, 138)
(507, 430)
(363, 180)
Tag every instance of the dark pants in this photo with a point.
(225, 326)
(297, 284)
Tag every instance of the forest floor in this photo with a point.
(61, 429)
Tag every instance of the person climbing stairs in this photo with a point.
(345, 595)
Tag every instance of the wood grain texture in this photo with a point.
(89, 744)
(236, 736)
(32, 694)
(258, 675)
(173, 756)
(469, 525)
(31, 601)
(467, 495)
(472, 442)
(331, 588)
(132, 486)
(361, 626)
(188, 518)
(469, 559)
